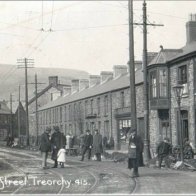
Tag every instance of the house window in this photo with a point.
(182, 78)
(106, 105)
(91, 106)
(98, 106)
(122, 99)
(61, 114)
(106, 129)
(163, 82)
(75, 111)
(65, 113)
(86, 107)
(69, 112)
(153, 84)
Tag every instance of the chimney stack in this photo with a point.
(119, 70)
(74, 86)
(94, 80)
(53, 80)
(106, 75)
(191, 29)
(83, 84)
(66, 90)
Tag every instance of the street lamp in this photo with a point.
(178, 91)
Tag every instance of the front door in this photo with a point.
(185, 127)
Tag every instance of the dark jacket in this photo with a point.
(139, 150)
(88, 140)
(45, 145)
(58, 140)
(97, 144)
(164, 149)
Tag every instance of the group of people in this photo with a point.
(94, 143)
(57, 146)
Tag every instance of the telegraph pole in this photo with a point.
(11, 119)
(145, 88)
(36, 108)
(24, 63)
(145, 77)
(132, 68)
(19, 113)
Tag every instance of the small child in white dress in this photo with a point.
(61, 157)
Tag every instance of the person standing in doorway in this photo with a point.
(45, 146)
(87, 145)
(97, 145)
(135, 151)
(58, 140)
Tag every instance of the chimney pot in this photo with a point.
(74, 86)
(106, 75)
(94, 80)
(119, 70)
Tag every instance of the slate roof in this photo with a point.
(111, 85)
(164, 55)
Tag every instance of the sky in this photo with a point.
(86, 35)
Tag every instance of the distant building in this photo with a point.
(5, 120)
(51, 92)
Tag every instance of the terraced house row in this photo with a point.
(103, 102)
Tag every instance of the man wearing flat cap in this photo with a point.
(58, 140)
(45, 146)
(135, 150)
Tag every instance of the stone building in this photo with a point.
(51, 92)
(5, 120)
(169, 68)
(104, 102)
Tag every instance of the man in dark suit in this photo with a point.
(87, 145)
(45, 146)
(58, 140)
(135, 151)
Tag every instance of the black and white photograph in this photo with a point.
(97, 97)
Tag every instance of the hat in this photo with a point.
(56, 128)
(88, 131)
(166, 139)
(48, 129)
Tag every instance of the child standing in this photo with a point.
(61, 157)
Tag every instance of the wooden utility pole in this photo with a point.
(132, 68)
(11, 118)
(36, 108)
(19, 124)
(24, 63)
(145, 76)
(145, 88)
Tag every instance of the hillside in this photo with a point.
(11, 77)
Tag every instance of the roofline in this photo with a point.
(138, 84)
(180, 58)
